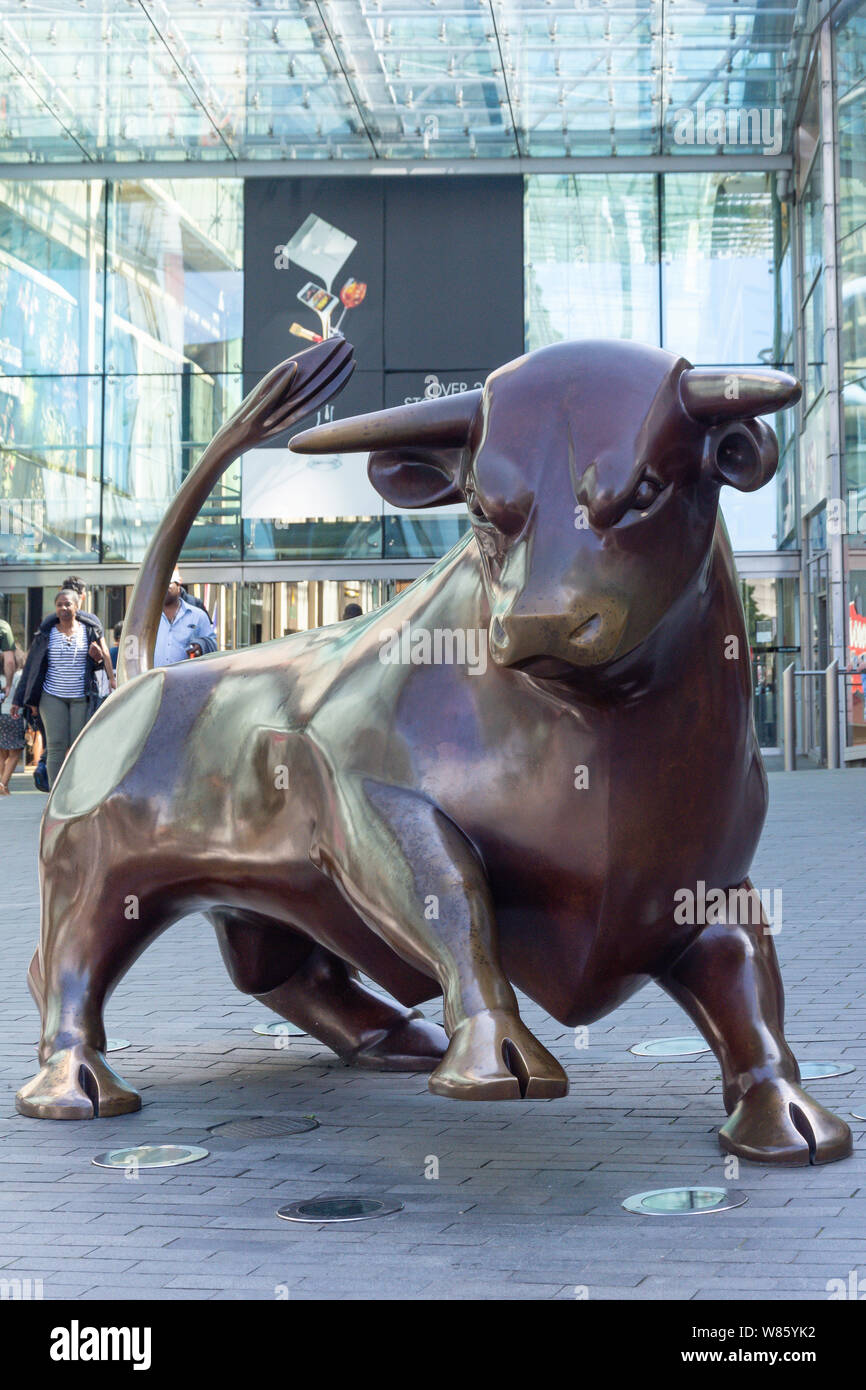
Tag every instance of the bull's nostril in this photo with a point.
(497, 632)
(588, 630)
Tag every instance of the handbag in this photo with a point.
(40, 775)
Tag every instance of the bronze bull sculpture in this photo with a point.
(342, 801)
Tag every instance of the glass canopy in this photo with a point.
(224, 80)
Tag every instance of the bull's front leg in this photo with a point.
(728, 981)
(420, 885)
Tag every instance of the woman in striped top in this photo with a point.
(60, 677)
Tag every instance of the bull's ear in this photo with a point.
(417, 477)
(418, 450)
(745, 454)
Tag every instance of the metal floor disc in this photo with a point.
(671, 1047)
(325, 1209)
(150, 1156)
(815, 1071)
(264, 1127)
(684, 1201)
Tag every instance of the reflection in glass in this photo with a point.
(854, 415)
(49, 468)
(771, 610)
(591, 257)
(156, 429)
(852, 159)
(717, 249)
(50, 271)
(813, 334)
(852, 266)
(175, 275)
(812, 216)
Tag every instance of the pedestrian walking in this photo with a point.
(184, 630)
(11, 727)
(59, 680)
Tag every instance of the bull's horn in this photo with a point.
(443, 423)
(712, 395)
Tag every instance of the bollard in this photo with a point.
(789, 717)
(831, 692)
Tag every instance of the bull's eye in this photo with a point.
(645, 494)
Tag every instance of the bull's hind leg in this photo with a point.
(314, 989)
(417, 881)
(728, 981)
(97, 918)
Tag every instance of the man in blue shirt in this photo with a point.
(184, 631)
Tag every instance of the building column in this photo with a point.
(836, 543)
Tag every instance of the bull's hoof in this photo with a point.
(493, 1056)
(414, 1044)
(777, 1122)
(76, 1084)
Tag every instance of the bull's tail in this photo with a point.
(291, 391)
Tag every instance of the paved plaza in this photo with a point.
(527, 1203)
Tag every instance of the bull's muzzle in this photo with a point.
(589, 635)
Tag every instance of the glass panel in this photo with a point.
(770, 607)
(814, 453)
(175, 281)
(108, 79)
(717, 242)
(325, 538)
(813, 230)
(591, 257)
(156, 429)
(51, 237)
(784, 348)
(49, 468)
(852, 269)
(750, 517)
(850, 47)
(786, 500)
(851, 119)
(422, 535)
(854, 415)
(813, 333)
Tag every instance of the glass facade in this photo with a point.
(220, 81)
(653, 257)
(122, 298)
(120, 355)
(122, 327)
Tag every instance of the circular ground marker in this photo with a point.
(116, 1044)
(322, 1209)
(279, 1029)
(264, 1127)
(150, 1156)
(684, 1201)
(670, 1047)
(814, 1071)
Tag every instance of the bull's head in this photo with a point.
(591, 471)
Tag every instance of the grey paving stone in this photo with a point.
(528, 1202)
